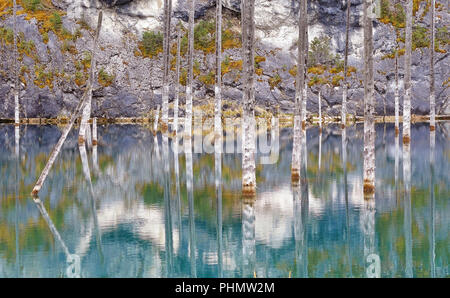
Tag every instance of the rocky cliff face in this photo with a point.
(53, 71)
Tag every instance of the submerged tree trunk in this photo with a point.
(408, 87)
(190, 78)
(81, 105)
(369, 120)
(177, 83)
(166, 63)
(248, 99)
(190, 194)
(432, 207)
(218, 89)
(248, 237)
(84, 126)
(94, 145)
(432, 80)
(407, 209)
(344, 94)
(218, 184)
(299, 95)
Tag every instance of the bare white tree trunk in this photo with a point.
(218, 89)
(300, 94)
(168, 223)
(81, 105)
(16, 68)
(190, 194)
(248, 99)
(320, 112)
(408, 87)
(190, 78)
(156, 120)
(344, 93)
(84, 126)
(407, 208)
(166, 63)
(218, 183)
(248, 238)
(177, 83)
(396, 94)
(371, 259)
(301, 210)
(432, 80)
(94, 145)
(432, 207)
(369, 120)
(304, 56)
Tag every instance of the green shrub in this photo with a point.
(152, 43)
(56, 22)
(32, 5)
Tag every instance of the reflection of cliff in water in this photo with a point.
(131, 215)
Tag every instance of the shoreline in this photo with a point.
(283, 118)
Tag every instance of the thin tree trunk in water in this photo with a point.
(177, 186)
(320, 112)
(166, 63)
(432, 207)
(408, 53)
(301, 210)
(218, 89)
(16, 68)
(177, 83)
(248, 237)
(369, 121)
(299, 95)
(167, 207)
(371, 259)
(407, 208)
(248, 157)
(84, 126)
(156, 120)
(190, 194)
(218, 182)
(94, 145)
(347, 217)
(190, 78)
(81, 105)
(432, 80)
(344, 94)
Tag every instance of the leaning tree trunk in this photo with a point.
(166, 63)
(16, 68)
(218, 89)
(408, 87)
(190, 78)
(345, 90)
(248, 98)
(177, 83)
(51, 160)
(432, 87)
(299, 95)
(84, 126)
(369, 120)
